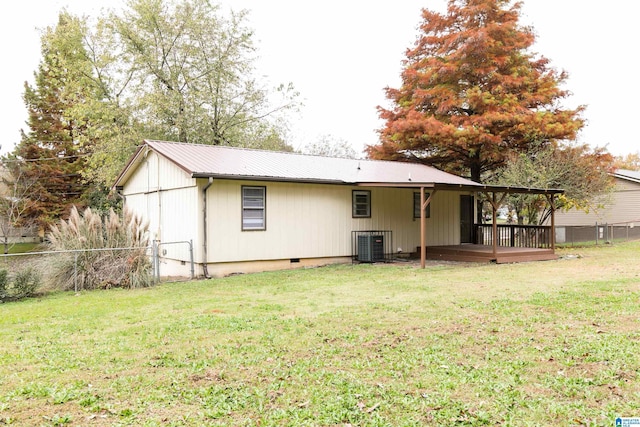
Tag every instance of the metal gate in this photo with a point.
(159, 252)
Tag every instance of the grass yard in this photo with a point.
(536, 344)
(18, 248)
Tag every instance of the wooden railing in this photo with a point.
(514, 235)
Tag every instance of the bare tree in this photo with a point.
(16, 200)
(330, 146)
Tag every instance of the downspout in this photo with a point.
(205, 257)
(159, 232)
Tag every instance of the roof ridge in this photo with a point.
(292, 153)
(259, 150)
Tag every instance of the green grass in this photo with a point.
(546, 343)
(18, 248)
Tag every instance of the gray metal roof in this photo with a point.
(628, 175)
(229, 162)
(202, 161)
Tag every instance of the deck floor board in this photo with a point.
(484, 253)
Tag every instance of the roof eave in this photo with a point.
(625, 177)
(267, 178)
(129, 167)
(520, 190)
(463, 187)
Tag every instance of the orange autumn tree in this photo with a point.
(472, 93)
(629, 161)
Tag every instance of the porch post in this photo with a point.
(423, 226)
(552, 205)
(494, 217)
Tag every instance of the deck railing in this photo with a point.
(514, 235)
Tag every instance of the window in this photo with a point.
(416, 205)
(253, 208)
(361, 204)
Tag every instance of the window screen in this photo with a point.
(253, 208)
(361, 204)
(416, 205)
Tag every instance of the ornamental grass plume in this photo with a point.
(108, 252)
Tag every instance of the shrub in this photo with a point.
(100, 260)
(25, 283)
(4, 282)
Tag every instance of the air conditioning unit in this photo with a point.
(370, 248)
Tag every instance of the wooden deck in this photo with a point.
(484, 253)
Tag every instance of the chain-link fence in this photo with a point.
(85, 268)
(100, 268)
(604, 233)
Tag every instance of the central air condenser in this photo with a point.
(370, 248)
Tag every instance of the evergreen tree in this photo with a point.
(472, 93)
(48, 154)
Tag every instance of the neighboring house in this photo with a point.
(250, 210)
(618, 215)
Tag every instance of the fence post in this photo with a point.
(612, 230)
(75, 272)
(154, 256)
(193, 272)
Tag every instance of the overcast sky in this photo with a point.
(340, 55)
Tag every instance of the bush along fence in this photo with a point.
(24, 274)
(22, 285)
(84, 269)
(599, 233)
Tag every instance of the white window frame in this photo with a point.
(247, 207)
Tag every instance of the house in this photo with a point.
(617, 215)
(247, 210)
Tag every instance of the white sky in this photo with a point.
(340, 54)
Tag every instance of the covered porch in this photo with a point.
(499, 243)
(492, 242)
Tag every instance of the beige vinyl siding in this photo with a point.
(168, 198)
(620, 207)
(157, 172)
(315, 220)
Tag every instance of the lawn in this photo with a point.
(18, 248)
(546, 343)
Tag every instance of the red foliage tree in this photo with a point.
(48, 155)
(472, 93)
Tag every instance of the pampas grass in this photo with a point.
(107, 252)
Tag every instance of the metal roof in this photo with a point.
(203, 161)
(627, 174)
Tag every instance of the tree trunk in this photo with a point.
(475, 172)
